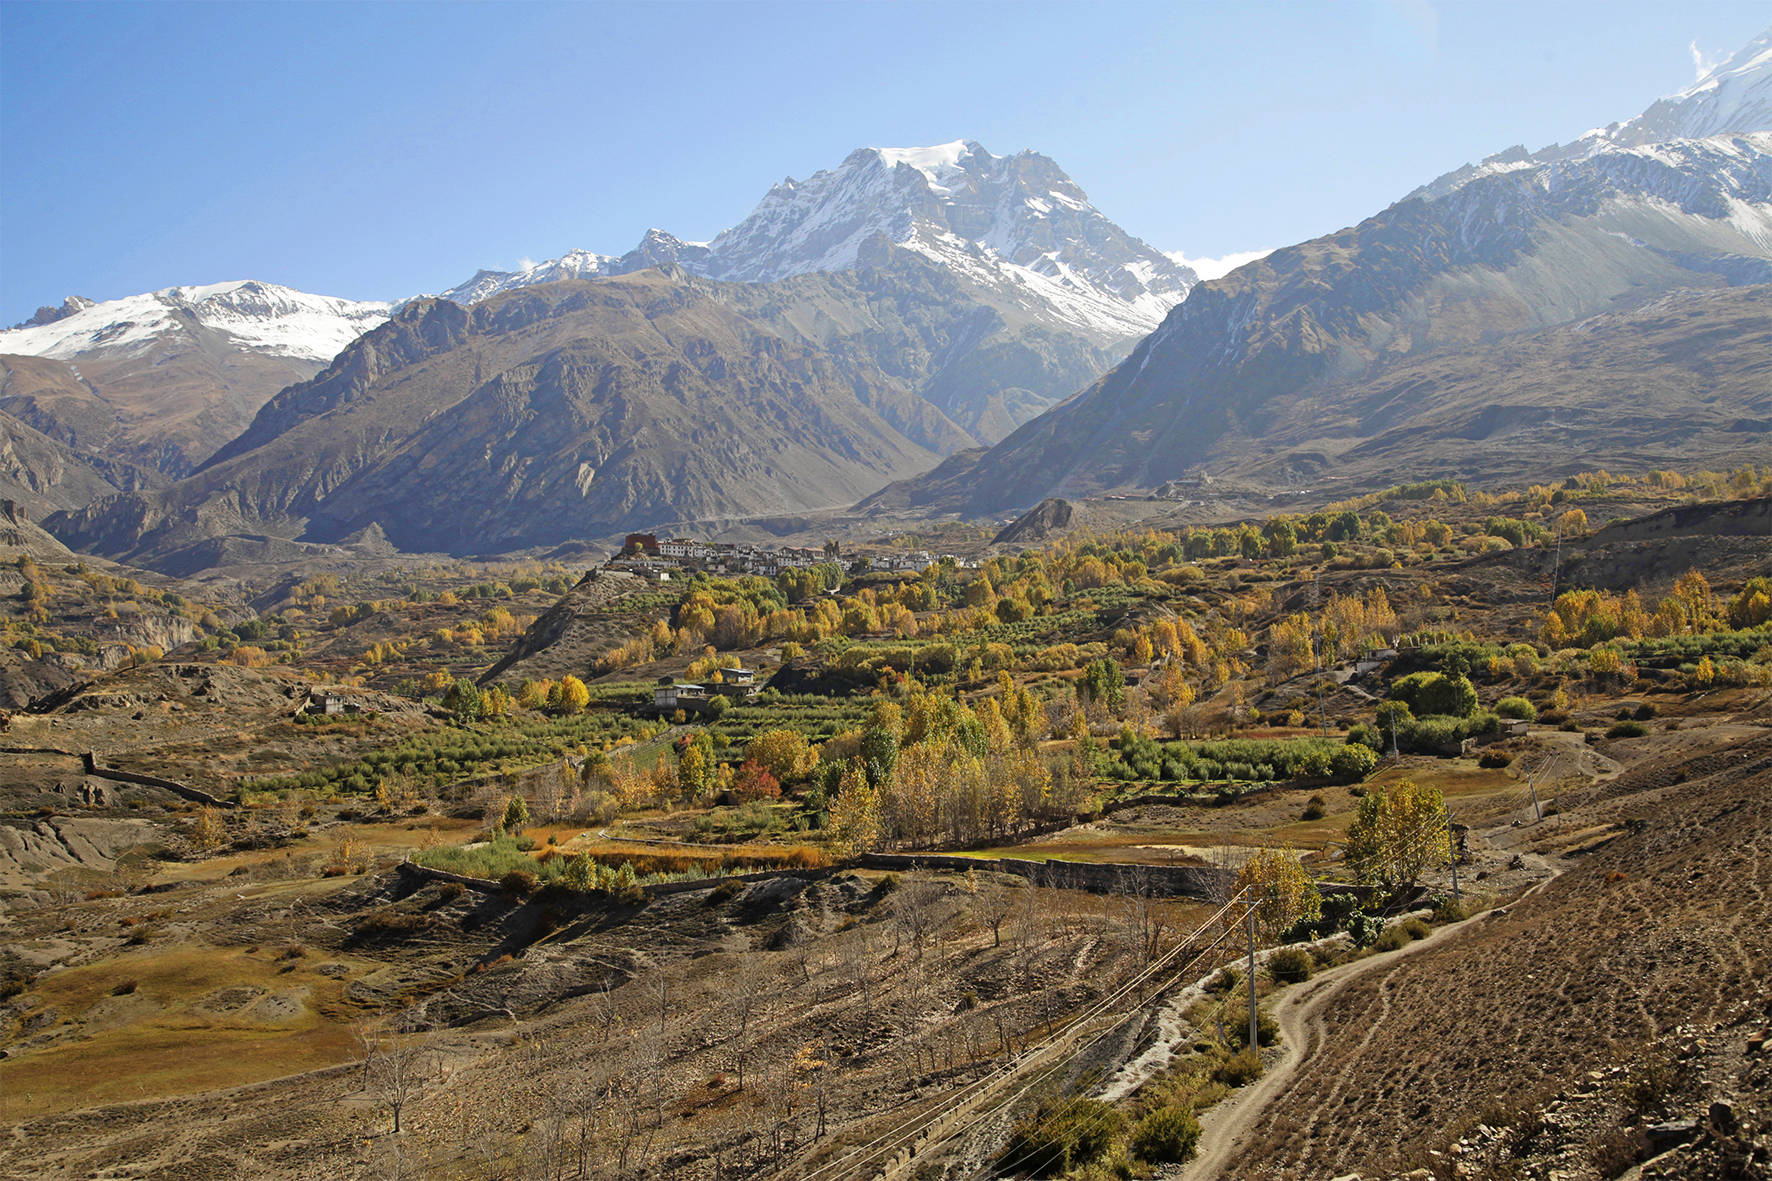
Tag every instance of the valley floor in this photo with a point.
(729, 1032)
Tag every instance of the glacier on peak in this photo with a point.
(258, 316)
(1015, 224)
(1733, 98)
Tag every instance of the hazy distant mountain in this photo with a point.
(1458, 275)
(1016, 233)
(161, 380)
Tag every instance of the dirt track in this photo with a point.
(1392, 1059)
(1299, 1015)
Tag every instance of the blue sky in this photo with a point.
(375, 150)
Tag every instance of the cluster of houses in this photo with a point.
(646, 555)
(669, 695)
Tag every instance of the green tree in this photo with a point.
(880, 741)
(1396, 834)
(516, 815)
(854, 824)
(695, 766)
(1428, 694)
(1104, 682)
(1282, 891)
(465, 701)
(1281, 537)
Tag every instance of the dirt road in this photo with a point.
(1223, 1128)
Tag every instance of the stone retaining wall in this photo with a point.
(1184, 881)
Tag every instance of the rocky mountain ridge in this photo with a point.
(587, 408)
(1014, 224)
(161, 380)
(1732, 98)
(1513, 252)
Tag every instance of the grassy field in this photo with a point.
(194, 1018)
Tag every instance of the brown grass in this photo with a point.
(154, 1041)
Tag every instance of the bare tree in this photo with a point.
(368, 1031)
(996, 902)
(747, 998)
(398, 1069)
(855, 956)
(658, 990)
(914, 913)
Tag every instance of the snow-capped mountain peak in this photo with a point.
(257, 317)
(574, 264)
(1733, 98)
(1016, 225)
(938, 164)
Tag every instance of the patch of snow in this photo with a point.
(260, 316)
(574, 264)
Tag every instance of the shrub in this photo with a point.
(1354, 761)
(124, 989)
(1314, 809)
(1448, 909)
(1289, 965)
(1391, 939)
(1626, 730)
(1236, 1025)
(1652, 1081)
(519, 881)
(1517, 707)
(725, 892)
(1239, 1069)
(1493, 759)
(1061, 1135)
(1645, 711)
(1166, 1136)
(390, 925)
(1224, 980)
(1364, 928)
(1415, 928)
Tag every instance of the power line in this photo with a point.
(1099, 1119)
(897, 1137)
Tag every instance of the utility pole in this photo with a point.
(1452, 847)
(1557, 564)
(1532, 786)
(1254, 1030)
(1317, 669)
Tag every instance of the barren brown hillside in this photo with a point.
(1663, 931)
